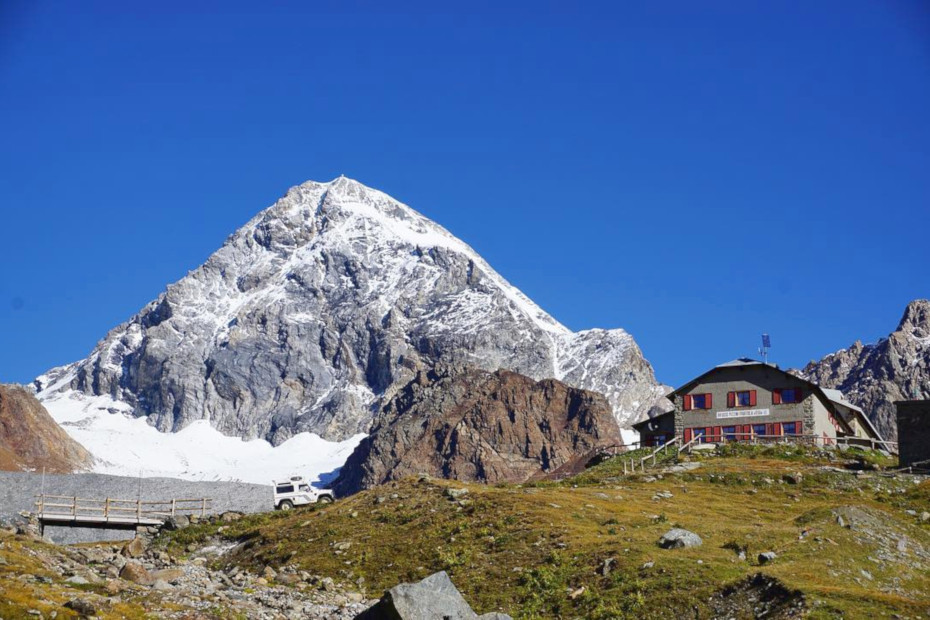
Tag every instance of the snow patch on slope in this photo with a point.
(128, 446)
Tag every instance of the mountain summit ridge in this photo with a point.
(322, 306)
(873, 376)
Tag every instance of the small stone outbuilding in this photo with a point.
(914, 433)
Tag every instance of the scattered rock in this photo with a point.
(82, 607)
(767, 557)
(607, 566)
(677, 538)
(177, 522)
(77, 580)
(161, 585)
(455, 493)
(434, 597)
(168, 574)
(136, 573)
(759, 596)
(231, 515)
(795, 478)
(134, 548)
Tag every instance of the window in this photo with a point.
(789, 428)
(744, 398)
(285, 488)
(698, 401)
(699, 432)
(729, 433)
(786, 395)
(758, 429)
(304, 487)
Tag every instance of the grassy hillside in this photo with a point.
(849, 544)
(586, 547)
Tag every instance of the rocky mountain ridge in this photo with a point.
(477, 426)
(873, 376)
(318, 310)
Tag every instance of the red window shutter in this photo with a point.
(688, 402)
(776, 396)
(769, 429)
(800, 428)
(709, 401)
(688, 435)
(747, 432)
(717, 434)
(731, 399)
(798, 396)
(777, 428)
(752, 398)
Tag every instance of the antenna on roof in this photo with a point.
(764, 349)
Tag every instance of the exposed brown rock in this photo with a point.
(30, 439)
(473, 425)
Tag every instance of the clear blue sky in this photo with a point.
(696, 176)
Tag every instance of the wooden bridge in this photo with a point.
(110, 513)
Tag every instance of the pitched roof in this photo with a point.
(828, 394)
(744, 361)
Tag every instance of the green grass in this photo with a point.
(537, 550)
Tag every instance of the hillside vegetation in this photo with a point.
(850, 541)
(848, 544)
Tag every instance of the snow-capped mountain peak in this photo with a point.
(321, 306)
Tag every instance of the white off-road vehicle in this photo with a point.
(297, 492)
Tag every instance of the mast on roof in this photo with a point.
(764, 349)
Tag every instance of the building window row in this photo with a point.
(742, 398)
(743, 432)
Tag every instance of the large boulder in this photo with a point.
(678, 538)
(134, 548)
(468, 424)
(136, 573)
(434, 597)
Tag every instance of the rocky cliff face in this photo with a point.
(873, 376)
(30, 439)
(474, 425)
(318, 309)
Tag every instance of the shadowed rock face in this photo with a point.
(319, 309)
(873, 376)
(473, 425)
(30, 438)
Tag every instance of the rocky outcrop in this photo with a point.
(873, 376)
(473, 425)
(318, 310)
(429, 599)
(31, 440)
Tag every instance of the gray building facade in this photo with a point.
(744, 399)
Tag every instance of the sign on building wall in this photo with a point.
(743, 413)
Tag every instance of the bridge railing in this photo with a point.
(103, 509)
